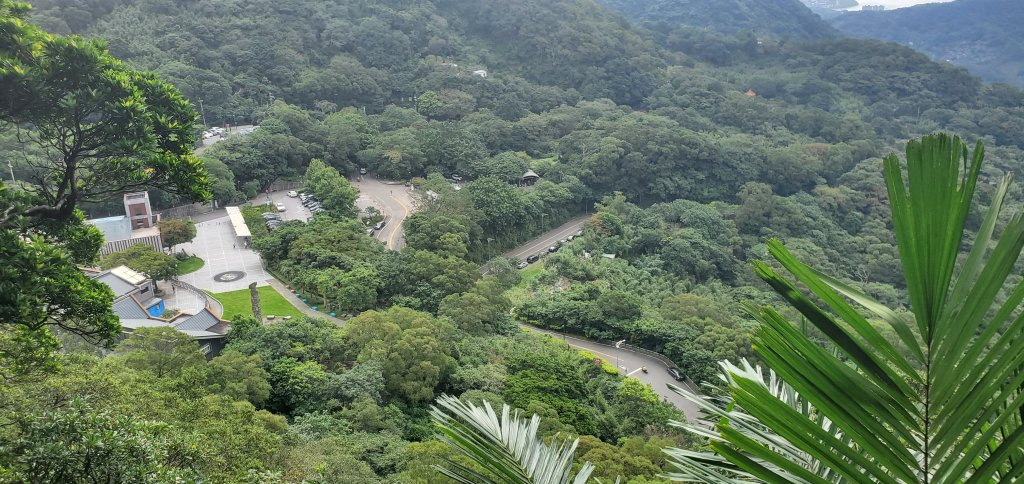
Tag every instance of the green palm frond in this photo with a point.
(950, 412)
(718, 406)
(507, 447)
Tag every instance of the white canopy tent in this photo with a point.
(238, 223)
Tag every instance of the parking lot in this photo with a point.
(293, 207)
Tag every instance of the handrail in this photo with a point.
(212, 303)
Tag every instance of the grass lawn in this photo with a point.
(238, 302)
(191, 264)
(520, 292)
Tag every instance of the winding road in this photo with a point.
(628, 362)
(394, 199)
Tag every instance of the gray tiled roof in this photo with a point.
(116, 284)
(127, 308)
(201, 321)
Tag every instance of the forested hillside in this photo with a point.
(685, 147)
(781, 19)
(985, 36)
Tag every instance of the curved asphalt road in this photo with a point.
(396, 202)
(630, 363)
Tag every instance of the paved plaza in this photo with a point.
(182, 299)
(216, 243)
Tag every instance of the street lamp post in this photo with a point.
(11, 167)
(490, 254)
(542, 226)
(618, 349)
(202, 112)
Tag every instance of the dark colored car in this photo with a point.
(533, 258)
(270, 216)
(675, 374)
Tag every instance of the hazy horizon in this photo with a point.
(894, 4)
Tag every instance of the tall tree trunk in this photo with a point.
(257, 309)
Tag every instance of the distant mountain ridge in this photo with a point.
(776, 18)
(985, 36)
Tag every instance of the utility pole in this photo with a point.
(203, 112)
(11, 166)
(490, 254)
(542, 226)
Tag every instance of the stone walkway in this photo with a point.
(301, 306)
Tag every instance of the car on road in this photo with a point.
(280, 207)
(293, 193)
(675, 374)
(380, 225)
(362, 171)
(522, 264)
(533, 258)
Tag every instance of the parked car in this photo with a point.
(369, 231)
(362, 171)
(562, 242)
(675, 374)
(552, 249)
(270, 215)
(380, 225)
(457, 178)
(533, 258)
(293, 193)
(522, 264)
(280, 207)
(317, 210)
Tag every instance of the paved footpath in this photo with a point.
(301, 306)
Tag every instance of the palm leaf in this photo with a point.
(951, 413)
(507, 447)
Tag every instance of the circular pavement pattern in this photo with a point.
(229, 276)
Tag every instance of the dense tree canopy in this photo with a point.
(97, 128)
